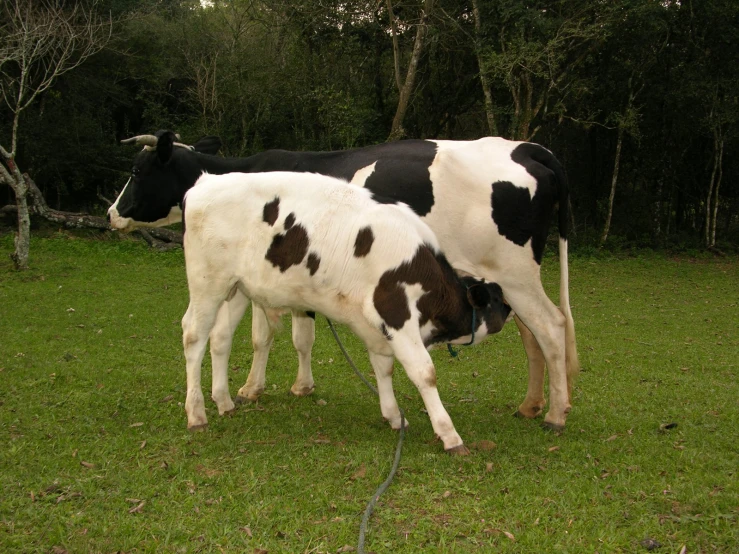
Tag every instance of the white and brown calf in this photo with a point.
(314, 243)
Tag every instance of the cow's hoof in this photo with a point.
(460, 450)
(230, 412)
(197, 428)
(529, 413)
(302, 391)
(556, 427)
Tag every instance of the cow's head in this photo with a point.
(162, 172)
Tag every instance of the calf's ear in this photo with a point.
(165, 144)
(478, 296)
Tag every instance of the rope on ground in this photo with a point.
(382, 488)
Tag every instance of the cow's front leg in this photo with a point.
(533, 404)
(417, 362)
(383, 367)
(262, 335)
(304, 335)
(221, 340)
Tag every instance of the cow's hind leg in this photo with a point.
(196, 326)
(304, 335)
(221, 340)
(533, 404)
(547, 324)
(262, 335)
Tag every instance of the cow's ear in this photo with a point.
(478, 296)
(208, 145)
(165, 144)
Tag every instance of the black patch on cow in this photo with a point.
(402, 174)
(385, 332)
(311, 315)
(289, 248)
(289, 220)
(363, 243)
(313, 262)
(271, 211)
(520, 217)
(401, 169)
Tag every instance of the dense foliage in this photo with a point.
(651, 84)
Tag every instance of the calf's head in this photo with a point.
(489, 310)
(161, 174)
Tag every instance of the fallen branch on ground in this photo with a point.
(162, 239)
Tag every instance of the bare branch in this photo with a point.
(41, 42)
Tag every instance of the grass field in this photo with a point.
(95, 455)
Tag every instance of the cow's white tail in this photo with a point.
(573, 363)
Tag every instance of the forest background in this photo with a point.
(639, 99)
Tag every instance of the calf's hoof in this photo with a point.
(228, 409)
(395, 424)
(197, 428)
(460, 450)
(248, 397)
(302, 391)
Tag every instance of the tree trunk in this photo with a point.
(397, 131)
(11, 175)
(614, 180)
(23, 236)
(712, 241)
(489, 110)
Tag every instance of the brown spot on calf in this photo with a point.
(288, 249)
(271, 211)
(314, 261)
(364, 241)
(390, 299)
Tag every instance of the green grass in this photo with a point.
(92, 423)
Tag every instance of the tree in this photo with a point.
(535, 51)
(405, 86)
(640, 34)
(40, 42)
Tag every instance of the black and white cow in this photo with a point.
(337, 251)
(489, 202)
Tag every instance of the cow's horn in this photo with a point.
(144, 140)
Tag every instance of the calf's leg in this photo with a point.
(196, 325)
(383, 367)
(262, 335)
(221, 340)
(304, 335)
(417, 363)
